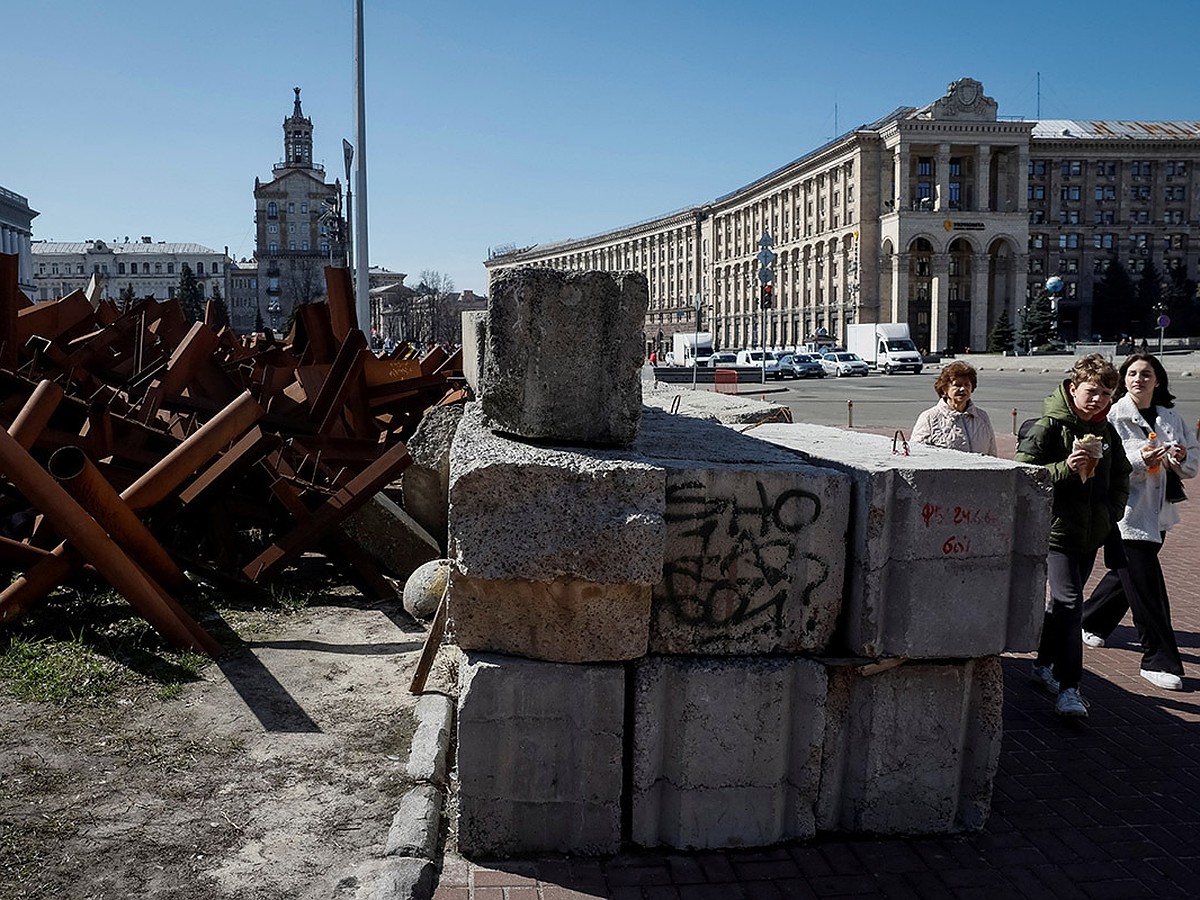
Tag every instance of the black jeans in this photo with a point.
(1062, 632)
(1137, 583)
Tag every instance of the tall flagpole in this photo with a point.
(361, 280)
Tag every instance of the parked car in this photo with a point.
(844, 363)
(751, 357)
(794, 365)
(723, 358)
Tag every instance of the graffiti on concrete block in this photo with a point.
(741, 554)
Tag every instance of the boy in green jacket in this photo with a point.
(1090, 475)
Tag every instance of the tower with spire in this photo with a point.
(298, 227)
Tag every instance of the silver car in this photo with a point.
(843, 363)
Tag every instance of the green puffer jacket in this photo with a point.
(1084, 512)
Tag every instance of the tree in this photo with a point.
(221, 317)
(1148, 300)
(1001, 338)
(435, 319)
(1179, 294)
(1112, 301)
(259, 325)
(189, 296)
(126, 298)
(1037, 326)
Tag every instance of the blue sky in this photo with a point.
(520, 122)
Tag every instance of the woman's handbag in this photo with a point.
(1175, 492)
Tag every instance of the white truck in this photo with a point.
(692, 349)
(886, 346)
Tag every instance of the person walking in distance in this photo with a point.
(956, 422)
(1090, 478)
(1162, 450)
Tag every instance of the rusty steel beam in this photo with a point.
(56, 318)
(247, 451)
(343, 315)
(10, 307)
(333, 512)
(71, 468)
(35, 415)
(69, 518)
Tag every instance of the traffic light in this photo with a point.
(768, 296)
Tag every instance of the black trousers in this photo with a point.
(1136, 583)
(1062, 638)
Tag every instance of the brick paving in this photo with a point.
(1105, 808)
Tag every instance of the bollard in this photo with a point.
(849, 413)
(1014, 421)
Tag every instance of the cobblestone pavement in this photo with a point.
(1105, 808)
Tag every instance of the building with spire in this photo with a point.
(298, 228)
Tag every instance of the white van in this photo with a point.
(753, 357)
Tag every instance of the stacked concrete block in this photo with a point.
(474, 342)
(539, 757)
(948, 549)
(726, 750)
(911, 749)
(756, 543)
(555, 549)
(564, 355)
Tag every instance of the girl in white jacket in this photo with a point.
(1145, 406)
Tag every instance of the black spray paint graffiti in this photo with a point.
(741, 570)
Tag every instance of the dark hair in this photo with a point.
(1162, 396)
(956, 369)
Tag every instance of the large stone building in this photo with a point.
(145, 268)
(16, 233)
(941, 216)
(297, 225)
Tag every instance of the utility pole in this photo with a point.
(361, 281)
(348, 237)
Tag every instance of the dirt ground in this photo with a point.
(273, 776)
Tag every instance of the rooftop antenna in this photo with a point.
(1039, 95)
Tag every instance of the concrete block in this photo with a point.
(756, 542)
(391, 536)
(414, 829)
(947, 549)
(545, 328)
(566, 620)
(434, 714)
(726, 751)
(474, 336)
(535, 513)
(913, 749)
(539, 757)
(425, 485)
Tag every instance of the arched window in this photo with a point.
(272, 210)
(199, 268)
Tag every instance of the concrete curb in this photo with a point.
(408, 868)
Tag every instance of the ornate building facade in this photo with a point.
(143, 268)
(297, 225)
(941, 216)
(16, 234)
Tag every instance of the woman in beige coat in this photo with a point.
(956, 423)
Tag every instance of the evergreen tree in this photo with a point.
(189, 296)
(259, 324)
(1113, 301)
(126, 298)
(1038, 324)
(1001, 338)
(1179, 294)
(221, 317)
(1149, 299)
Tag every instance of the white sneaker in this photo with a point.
(1092, 640)
(1044, 676)
(1071, 703)
(1164, 680)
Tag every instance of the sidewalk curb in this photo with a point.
(408, 867)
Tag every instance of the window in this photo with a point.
(95, 268)
(1072, 167)
(1037, 168)
(1099, 265)
(1068, 241)
(79, 269)
(1068, 265)
(1139, 217)
(291, 207)
(54, 269)
(291, 227)
(1071, 192)
(1037, 192)
(215, 268)
(1036, 265)
(1106, 192)
(955, 167)
(292, 245)
(1173, 217)
(1176, 167)
(324, 248)
(199, 268)
(273, 228)
(120, 268)
(1176, 194)
(272, 210)
(170, 268)
(924, 165)
(304, 245)
(273, 248)
(1104, 217)
(1068, 217)
(132, 268)
(1037, 217)
(1103, 241)
(1037, 241)
(42, 268)
(304, 207)
(1105, 167)
(955, 195)
(1141, 169)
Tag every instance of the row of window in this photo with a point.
(273, 247)
(1104, 167)
(1070, 193)
(273, 208)
(102, 268)
(1108, 217)
(1139, 240)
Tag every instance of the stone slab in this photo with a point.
(726, 751)
(539, 757)
(391, 536)
(912, 749)
(545, 328)
(947, 549)
(528, 512)
(434, 714)
(425, 484)
(756, 542)
(414, 829)
(474, 336)
(559, 621)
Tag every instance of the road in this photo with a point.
(894, 401)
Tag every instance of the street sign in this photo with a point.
(1164, 321)
(766, 259)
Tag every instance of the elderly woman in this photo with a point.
(956, 423)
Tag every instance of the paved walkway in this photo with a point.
(1107, 808)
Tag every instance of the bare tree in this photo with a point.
(435, 317)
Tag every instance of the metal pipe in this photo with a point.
(69, 518)
(71, 468)
(36, 413)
